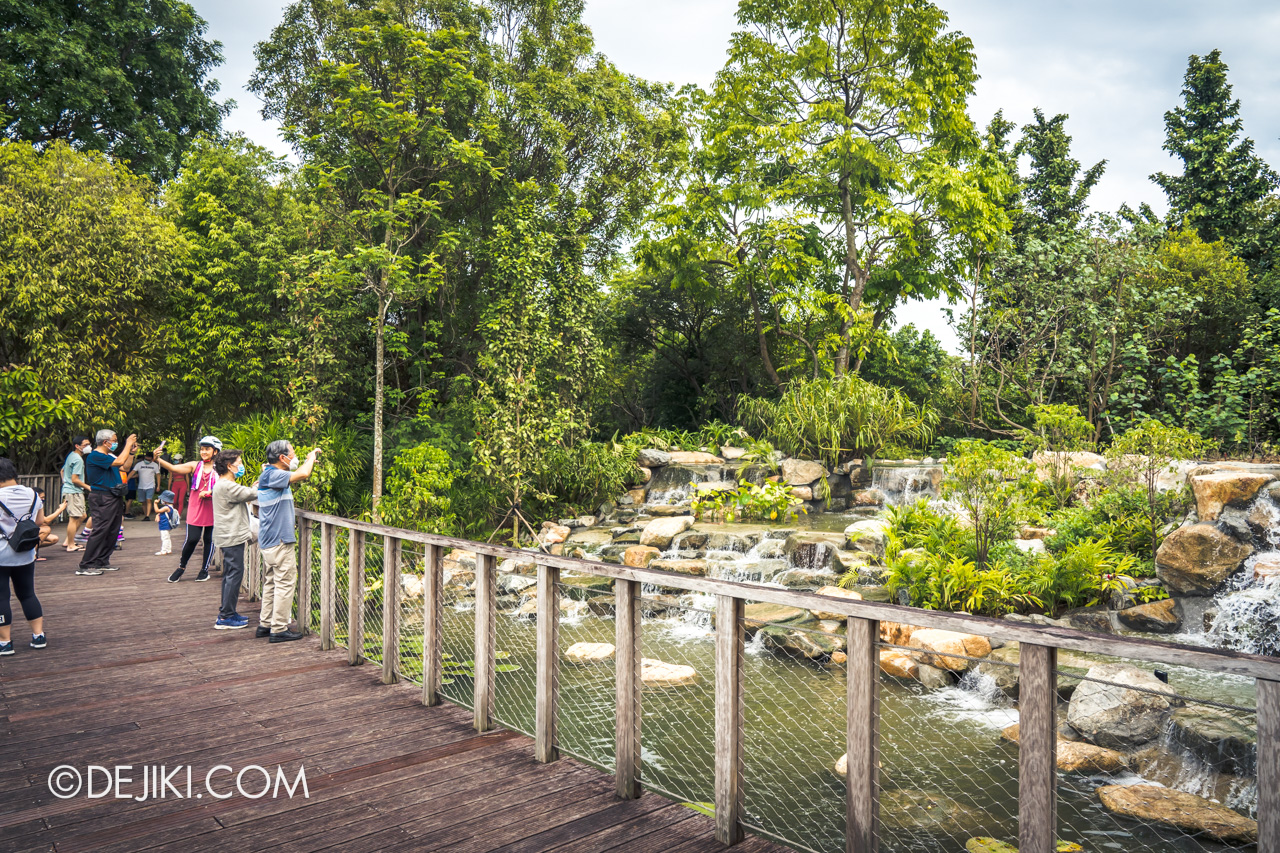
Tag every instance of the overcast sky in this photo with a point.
(1114, 67)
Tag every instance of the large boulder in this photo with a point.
(694, 457)
(656, 673)
(1113, 715)
(1191, 814)
(835, 592)
(650, 458)
(584, 653)
(659, 532)
(811, 550)
(553, 534)
(1224, 740)
(1159, 617)
(937, 648)
(811, 644)
(801, 472)
(1078, 756)
(1221, 489)
(899, 664)
(758, 615)
(1196, 559)
(867, 535)
(639, 556)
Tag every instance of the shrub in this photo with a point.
(834, 420)
(1058, 430)
(1141, 454)
(769, 500)
(417, 495)
(991, 487)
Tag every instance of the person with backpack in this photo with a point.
(21, 515)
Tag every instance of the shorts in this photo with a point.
(146, 494)
(75, 505)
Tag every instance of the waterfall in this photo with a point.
(902, 484)
(1248, 617)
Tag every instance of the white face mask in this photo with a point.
(293, 463)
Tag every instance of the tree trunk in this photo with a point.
(853, 273)
(379, 378)
(764, 344)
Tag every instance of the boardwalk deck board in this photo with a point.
(134, 673)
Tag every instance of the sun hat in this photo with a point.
(210, 441)
(168, 496)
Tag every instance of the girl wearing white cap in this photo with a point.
(200, 512)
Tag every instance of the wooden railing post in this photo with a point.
(486, 639)
(862, 734)
(390, 608)
(355, 596)
(730, 641)
(328, 582)
(1268, 766)
(304, 575)
(548, 665)
(627, 655)
(1037, 749)
(432, 619)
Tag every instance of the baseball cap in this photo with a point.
(211, 442)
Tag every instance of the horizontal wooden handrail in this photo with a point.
(1156, 651)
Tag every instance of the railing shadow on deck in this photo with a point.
(454, 654)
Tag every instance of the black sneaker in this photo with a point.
(284, 636)
(203, 576)
(38, 641)
(176, 576)
(263, 631)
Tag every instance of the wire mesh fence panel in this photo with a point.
(948, 765)
(409, 625)
(515, 680)
(1155, 758)
(458, 628)
(677, 736)
(794, 700)
(316, 570)
(588, 670)
(341, 584)
(375, 587)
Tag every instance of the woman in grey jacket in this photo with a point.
(232, 530)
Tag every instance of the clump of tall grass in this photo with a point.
(834, 420)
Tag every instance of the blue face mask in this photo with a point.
(240, 470)
(114, 445)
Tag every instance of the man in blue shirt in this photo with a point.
(276, 538)
(106, 498)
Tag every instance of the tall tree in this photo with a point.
(130, 79)
(1221, 176)
(860, 105)
(1054, 192)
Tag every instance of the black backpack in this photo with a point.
(26, 533)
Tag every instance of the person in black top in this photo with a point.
(106, 499)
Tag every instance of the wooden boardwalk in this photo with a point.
(135, 674)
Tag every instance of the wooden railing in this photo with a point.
(1037, 778)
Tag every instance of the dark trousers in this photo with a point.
(196, 533)
(107, 510)
(23, 579)
(232, 572)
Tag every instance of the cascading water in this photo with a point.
(1248, 617)
(902, 484)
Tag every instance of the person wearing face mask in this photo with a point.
(74, 488)
(232, 531)
(105, 474)
(200, 514)
(276, 538)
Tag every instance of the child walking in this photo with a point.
(168, 519)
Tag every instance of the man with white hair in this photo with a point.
(276, 538)
(106, 498)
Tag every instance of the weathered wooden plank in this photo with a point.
(627, 705)
(304, 575)
(486, 639)
(432, 620)
(1037, 749)
(390, 609)
(862, 734)
(1154, 651)
(328, 583)
(547, 699)
(1268, 766)
(355, 597)
(730, 641)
